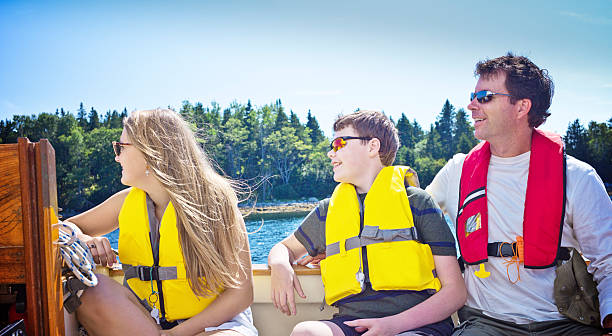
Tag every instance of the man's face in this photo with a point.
(347, 161)
(493, 120)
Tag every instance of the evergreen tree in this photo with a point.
(8, 133)
(406, 132)
(94, 120)
(186, 110)
(116, 121)
(577, 141)
(433, 145)
(104, 172)
(227, 114)
(417, 131)
(316, 135)
(281, 117)
(444, 127)
(600, 148)
(106, 119)
(82, 116)
(463, 136)
(294, 122)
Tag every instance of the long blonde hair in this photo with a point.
(209, 224)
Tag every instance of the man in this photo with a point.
(518, 187)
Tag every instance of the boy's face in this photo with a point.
(348, 161)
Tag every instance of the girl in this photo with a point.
(182, 240)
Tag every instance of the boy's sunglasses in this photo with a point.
(117, 147)
(340, 142)
(485, 96)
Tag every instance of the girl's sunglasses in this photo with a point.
(340, 142)
(117, 147)
(485, 96)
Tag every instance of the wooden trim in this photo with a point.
(264, 269)
(49, 253)
(30, 233)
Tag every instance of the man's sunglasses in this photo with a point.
(485, 96)
(117, 147)
(340, 142)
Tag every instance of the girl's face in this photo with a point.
(132, 162)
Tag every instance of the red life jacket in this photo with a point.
(544, 202)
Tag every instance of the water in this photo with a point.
(260, 241)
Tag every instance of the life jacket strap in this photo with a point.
(503, 249)
(148, 273)
(72, 288)
(373, 235)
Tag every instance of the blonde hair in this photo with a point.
(210, 227)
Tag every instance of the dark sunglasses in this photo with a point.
(117, 147)
(340, 142)
(485, 96)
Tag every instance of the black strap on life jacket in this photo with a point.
(505, 250)
(154, 225)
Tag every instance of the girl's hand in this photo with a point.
(100, 249)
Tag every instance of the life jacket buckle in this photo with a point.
(147, 273)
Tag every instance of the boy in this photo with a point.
(390, 263)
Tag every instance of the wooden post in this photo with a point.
(28, 209)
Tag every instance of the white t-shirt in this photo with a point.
(588, 209)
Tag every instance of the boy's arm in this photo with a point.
(439, 306)
(283, 278)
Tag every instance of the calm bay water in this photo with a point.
(261, 239)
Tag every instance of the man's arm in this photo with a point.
(591, 217)
(439, 306)
(445, 183)
(283, 278)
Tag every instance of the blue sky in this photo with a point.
(327, 56)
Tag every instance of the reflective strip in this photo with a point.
(164, 273)
(373, 235)
(476, 194)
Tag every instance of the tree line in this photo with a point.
(271, 150)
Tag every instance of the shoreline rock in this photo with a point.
(295, 207)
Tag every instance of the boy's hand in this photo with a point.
(377, 326)
(311, 260)
(284, 280)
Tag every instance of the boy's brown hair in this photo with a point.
(373, 124)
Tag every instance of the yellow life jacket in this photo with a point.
(396, 260)
(179, 301)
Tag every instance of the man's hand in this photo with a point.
(607, 324)
(375, 327)
(284, 280)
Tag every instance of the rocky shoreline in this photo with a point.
(277, 208)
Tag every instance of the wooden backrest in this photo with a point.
(28, 208)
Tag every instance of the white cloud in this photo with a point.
(318, 93)
(587, 18)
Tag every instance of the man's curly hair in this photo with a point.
(524, 80)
